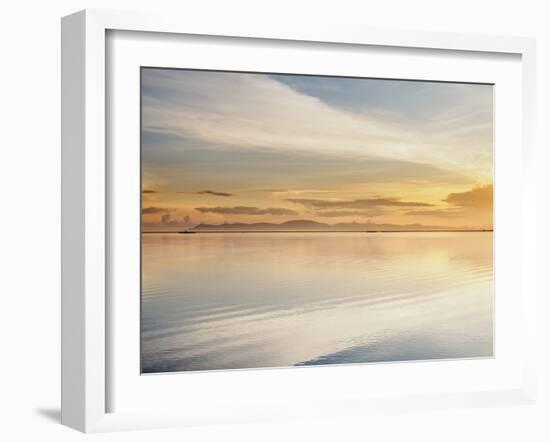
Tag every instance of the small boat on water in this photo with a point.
(187, 232)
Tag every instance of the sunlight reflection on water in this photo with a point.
(230, 300)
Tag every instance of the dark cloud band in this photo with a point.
(357, 204)
(435, 213)
(341, 213)
(243, 210)
(213, 192)
(154, 210)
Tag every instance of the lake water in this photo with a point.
(244, 300)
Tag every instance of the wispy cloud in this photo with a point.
(443, 213)
(344, 213)
(357, 204)
(213, 192)
(169, 220)
(209, 192)
(258, 111)
(155, 210)
(282, 193)
(243, 210)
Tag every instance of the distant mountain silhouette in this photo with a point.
(309, 225)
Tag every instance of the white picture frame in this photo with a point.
(86, 204)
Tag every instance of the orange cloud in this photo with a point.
(479, 197)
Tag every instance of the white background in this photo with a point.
(29, 218)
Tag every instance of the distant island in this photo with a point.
(314, 226)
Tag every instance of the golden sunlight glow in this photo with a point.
(225, 148)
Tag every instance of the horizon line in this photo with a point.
(320, 231)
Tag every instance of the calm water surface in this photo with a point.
(245, 300)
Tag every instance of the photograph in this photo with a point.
(292, 220)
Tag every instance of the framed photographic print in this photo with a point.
(293, 220)
(270, 223)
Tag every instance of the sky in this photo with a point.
(225, 147)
